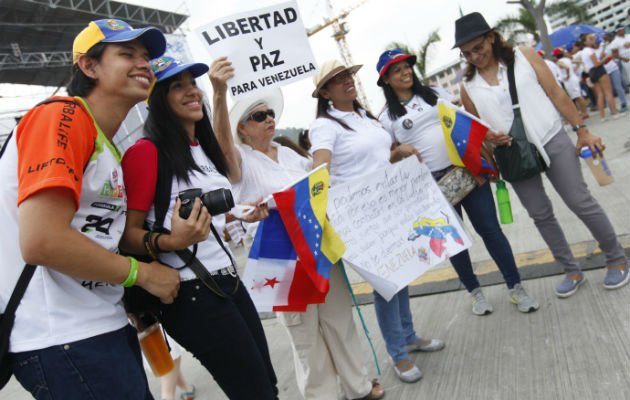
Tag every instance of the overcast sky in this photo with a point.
(372, 26)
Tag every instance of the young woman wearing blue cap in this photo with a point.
(353, 143)
(484, 91)
(411, 117)
(213, 316)
(63, 207)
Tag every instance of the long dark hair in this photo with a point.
(502, 51)
(81, 84)
(323, 107)
(397, 110)
(167, 133)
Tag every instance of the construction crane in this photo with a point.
(339, 34)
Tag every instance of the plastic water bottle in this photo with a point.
(503, 199)
(598, 166)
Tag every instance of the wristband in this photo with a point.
(578, 127)
(146, 241)
(133, 273)
(156, 245)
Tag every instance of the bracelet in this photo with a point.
(155, 243)
(146, 241)
(133, 273)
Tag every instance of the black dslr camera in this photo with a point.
(216, 201)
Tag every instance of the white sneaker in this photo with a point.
(480, 306)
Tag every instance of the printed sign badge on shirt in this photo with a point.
(407, 124)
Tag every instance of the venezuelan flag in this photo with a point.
(303, 212)
(464, 137)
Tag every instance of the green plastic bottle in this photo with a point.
(503, 199)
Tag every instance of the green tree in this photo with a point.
(421, 54)
(512, 28)
(570, 9)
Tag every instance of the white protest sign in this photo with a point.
(268, 47)
(396, 224)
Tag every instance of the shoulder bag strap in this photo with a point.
(18, 292)
(512, 84)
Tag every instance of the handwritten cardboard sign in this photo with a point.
(268, 47)
(396, 224)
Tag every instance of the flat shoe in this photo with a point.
(188, 395)
(434, 345)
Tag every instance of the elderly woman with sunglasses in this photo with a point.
(354, 143)
(484, 91)
(324, 339)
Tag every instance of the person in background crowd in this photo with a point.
(63, 209)
(324, 338)
(582, 74)
(570, 81)
(555, 71)
(285, 141)
(174, 379)
(410, 116)
(621, 52)
(613, 71)
(214, 318)
(303, 140)
(352, 143)
(541, 101)
(594, 64)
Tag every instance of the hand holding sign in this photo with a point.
(220, 71)
(268, 47)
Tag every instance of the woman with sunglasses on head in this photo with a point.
(323, 338)
(353, 143)
(213, 317)
(63, 209)
(411, 117)
(484, 92)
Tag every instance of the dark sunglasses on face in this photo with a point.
(476, 49)
(260, 116)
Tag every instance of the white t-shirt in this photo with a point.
(611, 66)
(209, 252)
(421, 128)
(356, 152)
(586, 57)
(578, 68)
(620, 44)
(261, 176)
(58, 308)
(554, 70)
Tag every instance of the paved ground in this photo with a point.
(576, 348)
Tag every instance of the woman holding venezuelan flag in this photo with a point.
(411, 117)
(324, 339)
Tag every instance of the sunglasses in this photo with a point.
(260, 116)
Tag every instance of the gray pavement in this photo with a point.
(575, 348)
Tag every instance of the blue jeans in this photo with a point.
(394, 320)
(479, 206)
(615, 81)
(107, 366)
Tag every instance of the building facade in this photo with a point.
(604, 14)
(447, 77)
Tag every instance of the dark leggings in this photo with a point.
(225, 335)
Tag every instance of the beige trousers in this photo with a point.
(325, 345)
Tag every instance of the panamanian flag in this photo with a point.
(294, 248)
(464, 134)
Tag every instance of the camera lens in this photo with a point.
(218, 201)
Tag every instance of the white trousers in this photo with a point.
(326, 345)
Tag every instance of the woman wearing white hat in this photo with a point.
(324, 338)
(353, 143)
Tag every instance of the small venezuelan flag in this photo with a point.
(303, 212)
(464, 137)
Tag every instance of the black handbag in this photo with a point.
(6, 322)
(521, 160)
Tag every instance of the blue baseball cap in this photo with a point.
(390, 57)
(165, 67)
(116, 31)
